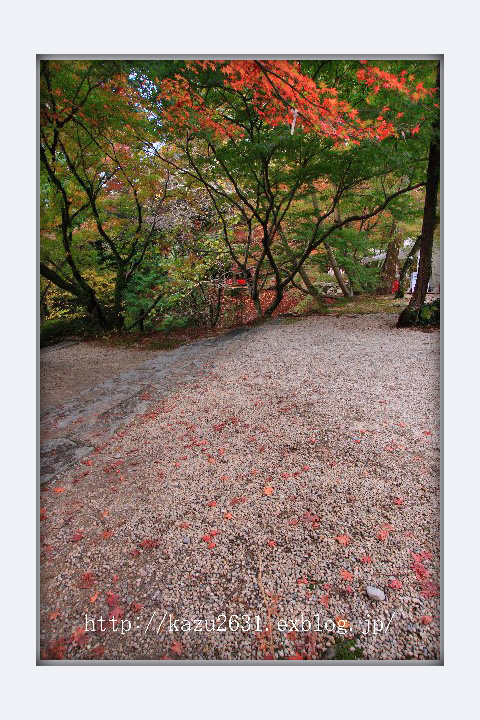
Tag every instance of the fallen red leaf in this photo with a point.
(87, 580)
(98, 651)
(396, 584)
(112, 599)
(79, 636)
(176, 648)
(384, 531)
(148, 544)
(116, 613)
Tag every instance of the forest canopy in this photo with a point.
(170, 189)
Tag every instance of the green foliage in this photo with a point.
(152, 210)
(429, 314)
(347, 650)
(172, 322)
(55, 330)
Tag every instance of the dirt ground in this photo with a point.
(246, 483)
(68, 369)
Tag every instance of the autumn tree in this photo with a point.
(258, 135)
(98, 181)
(410, 314)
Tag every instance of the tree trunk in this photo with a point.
(390, 265)
(214, 307)
(312, 290)
(409, 315)
(331, 257)
(337, 272)
(120, 287)
(409, 260)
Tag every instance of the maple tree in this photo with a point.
(232, 124)
(110, 211)
(160, 179)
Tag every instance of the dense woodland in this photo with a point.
(174, 192)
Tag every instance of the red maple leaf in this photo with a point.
(212, 503)
(79, 636)
(396, 584)
(77, 536)
(346, 575)
(112, 599)
(87, 580)
(176, 648)
(366, 559)
(430, 589)
(149, 544)
(98, 651)
(116, 613)
(324, 600)
(383, 532)
(343, 539)
(56, 651)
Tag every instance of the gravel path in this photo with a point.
(269, 473)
